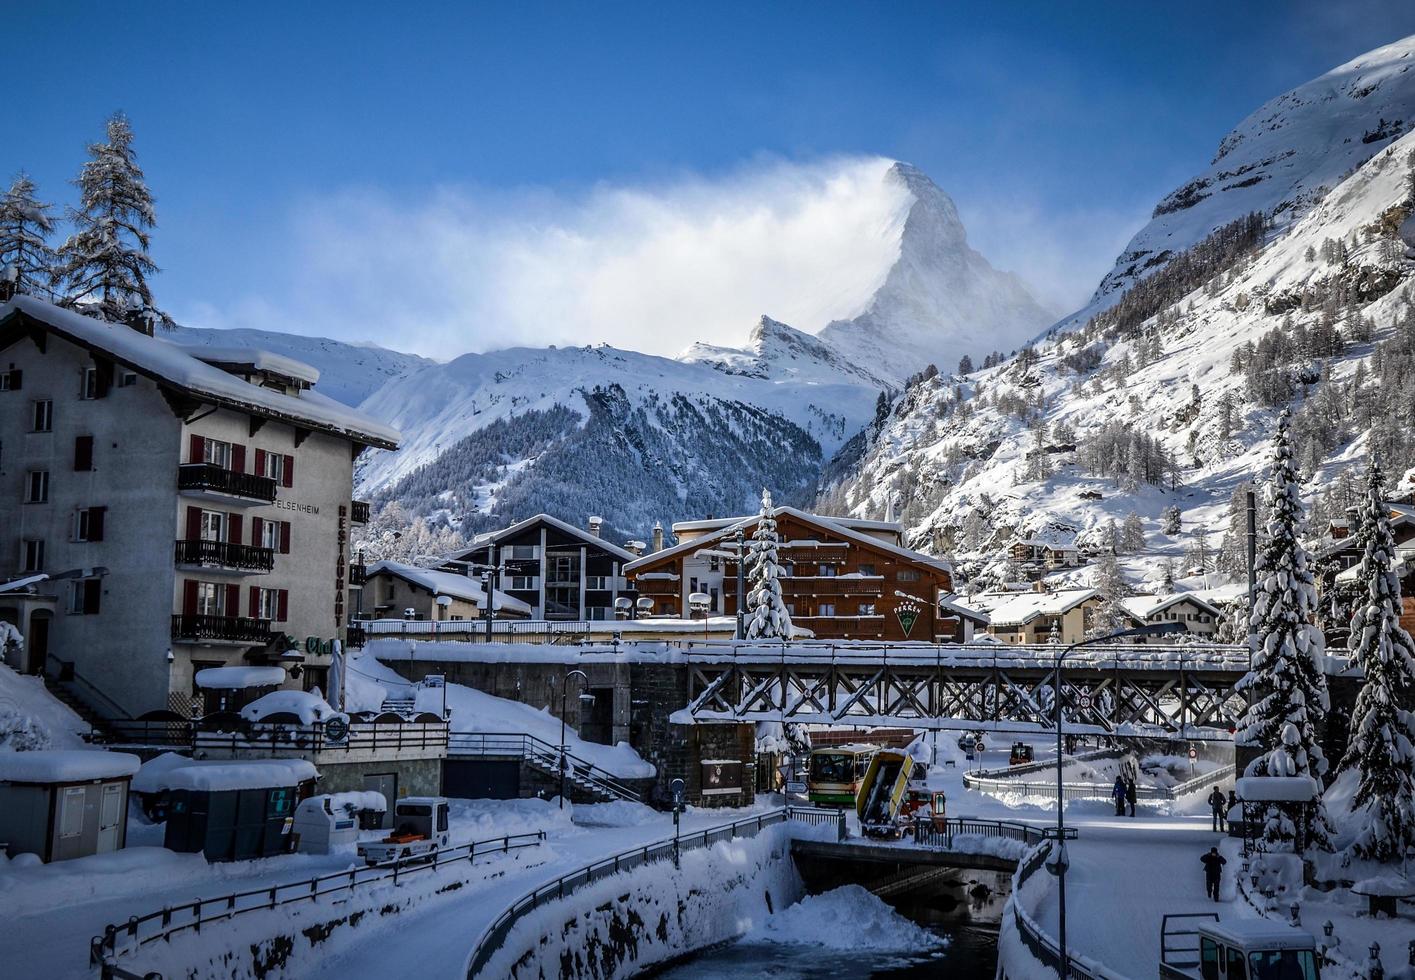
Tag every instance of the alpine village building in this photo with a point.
(194, 502)
(845, 579)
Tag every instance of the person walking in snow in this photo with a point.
(1219, 805)
(1213, 871)
(1117, 793)
(1130, 795)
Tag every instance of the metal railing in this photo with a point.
(126, 938)
(543, 756)
(225, 554)
(358, 511)
(930, 834)
(494, 936)
(262, 738)
(217, 479)
(1095, 791)
(62, 672)
(474, 630)
(237, 629)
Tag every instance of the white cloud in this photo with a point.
(651, 268)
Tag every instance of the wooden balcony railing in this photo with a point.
(235, 629)
(832, 586)
(358, 511)
(211, 478)
(224, 554)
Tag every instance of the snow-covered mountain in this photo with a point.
(348, 373)
(1168, 399)
(941, 298)
(1280, 160)
(777, 352)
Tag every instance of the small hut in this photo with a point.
(62, 804)
(233, 811)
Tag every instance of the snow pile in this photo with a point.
(846, 918)
(213, 777)
(65, 766)
(309, 706)
(239, 678)
(32, 718)
(353, 801)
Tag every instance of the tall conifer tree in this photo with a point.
(767, 614)
(25, 227)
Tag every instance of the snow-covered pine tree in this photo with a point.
(1110, 582)
(1133, 534)
(767, 616)
(104, 265)
(1171, 520)
(1382, 746)
(25, 227)
(1286, 686)
(1166, 586)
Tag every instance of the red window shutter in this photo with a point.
(257, 527)
(233, 528)
(260, 462)
(95, 523)
(289, 480)
(233, 600)
(198, 449)
(193, 523)
(83, 453)
(92, 590)
(284, 537)
(238, 457)
(189, 597)
(282, 611)
(254, 604)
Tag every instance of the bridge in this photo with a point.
(1184, 690)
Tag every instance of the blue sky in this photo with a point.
(271, 132)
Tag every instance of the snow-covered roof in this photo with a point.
(1142, 607)
(1040, 543)
(65, 766)
(480, 542)
(309, 706)
(949, 604)
(255, 359)
(1276, 789)
(857, 523)
(827, 524)
(176, 367)
(1020, 608)
(214, 777)
(1256, 932)
(449, 584)
(239, 678)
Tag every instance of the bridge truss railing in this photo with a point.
(941, 833)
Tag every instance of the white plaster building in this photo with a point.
(213, 486)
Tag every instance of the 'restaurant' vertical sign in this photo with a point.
(341, 568)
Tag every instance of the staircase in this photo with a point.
(96, 722)
(399, 706)
(594, 783)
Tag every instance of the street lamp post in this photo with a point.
(741, 585)
(1158, 629)
(564, 691)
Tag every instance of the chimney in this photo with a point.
(634, 547)
(657, 536)
(889, 508)
(595, 524)
(1039, 587)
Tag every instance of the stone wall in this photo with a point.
(416, 777)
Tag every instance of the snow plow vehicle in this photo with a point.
(1197, 946)
(1021, 754)
(882, 793)
(419, 832)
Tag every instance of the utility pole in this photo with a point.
(741, 585)
(1252, 567)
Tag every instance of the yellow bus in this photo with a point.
(836, 772)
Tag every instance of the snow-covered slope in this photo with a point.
(777, 352)
(1316, 317)
(940, 300)
(348, 373)
(1280, 160)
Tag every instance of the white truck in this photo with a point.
(1203, 948)
(419, 832)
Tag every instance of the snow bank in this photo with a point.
(309, 706)
(485, 819)
(257, 774)
(239, 678)
(32, 718)
(849, 917)
(65, 765)
(352, 801)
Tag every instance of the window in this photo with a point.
(276, 466)
(213, 525)
(71, 812)
(274, 535)
(43, 418)
(271, 604)
(88, 523)
(84, 596)
(37, 487)
(713, 563)
(91, 384)
(211, 599)
(523, 583)
(692, 585)
(867, 569)
(83, 454)
(127, 379)
(826, 571)
(216, 452)
(10, 380)
(33, 555)
(908, 575)
(826, 609)
(867, 609)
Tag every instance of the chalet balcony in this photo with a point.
(657, 586)
(358, 511)
(358, 574)
(199, 628)
(225, 556)
(832, 585)
(212, 482)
